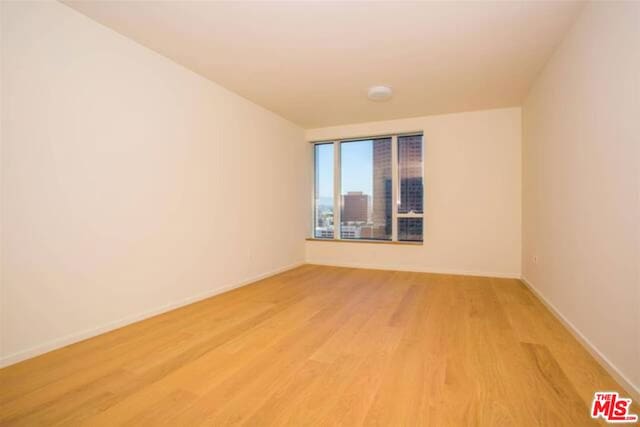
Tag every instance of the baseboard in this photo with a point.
(417, 269)
(632, 389)
(89, 333)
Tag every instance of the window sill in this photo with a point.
(377, 242)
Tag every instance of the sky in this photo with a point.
(357, 168)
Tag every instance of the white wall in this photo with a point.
(472, 191)
(581, 157)
(129, 184)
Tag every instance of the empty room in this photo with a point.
(319, 213)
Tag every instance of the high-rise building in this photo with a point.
(410, 229)
(381, 216)
(355, 207)
(410, 173)
(350, 232)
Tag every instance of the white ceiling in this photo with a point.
(312, 62)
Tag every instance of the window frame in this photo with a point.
(314, 210)
(395, 189)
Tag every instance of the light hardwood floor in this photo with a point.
(323, 346)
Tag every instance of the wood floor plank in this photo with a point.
(321, 345)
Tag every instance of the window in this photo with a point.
(410, 207)
(356, 183)
(365, 170)
(323, 209)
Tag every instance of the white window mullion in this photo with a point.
(336, 190)
(395, 189)
(409, 215)
(313, 192)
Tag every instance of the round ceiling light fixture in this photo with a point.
(380, 93)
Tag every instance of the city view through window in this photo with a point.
(323, 227)
(411, 187)
(366, 189)
(366, 208)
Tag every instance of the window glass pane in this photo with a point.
(410, 173)
(323, 218)
(410, 229)
(366, 189)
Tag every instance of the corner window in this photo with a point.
(372, 187)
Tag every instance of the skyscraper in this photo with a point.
(355, 207)
(410, 173)
(381, 215)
